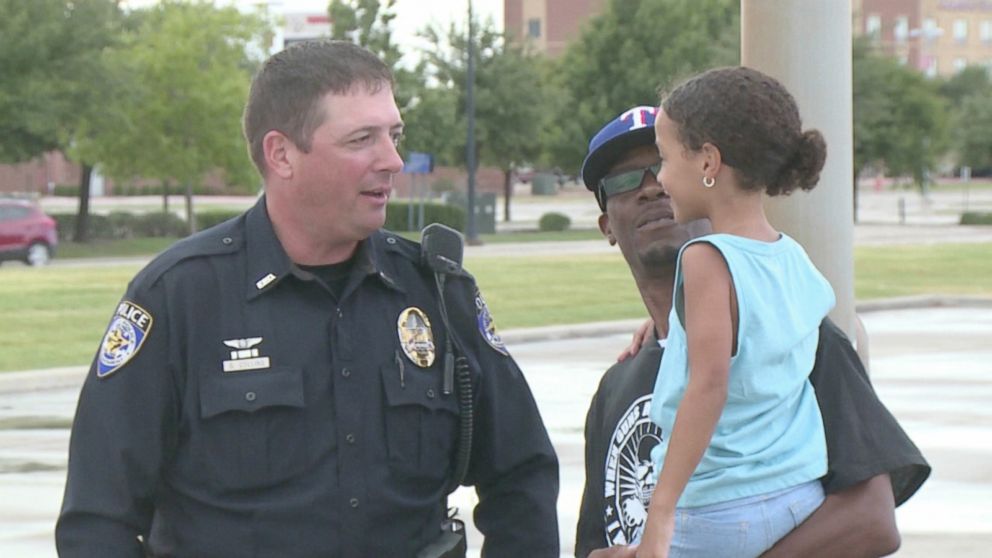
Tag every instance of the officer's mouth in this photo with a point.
(378, 194)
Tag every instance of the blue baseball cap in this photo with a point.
(633, 128)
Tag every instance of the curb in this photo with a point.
(73, 376)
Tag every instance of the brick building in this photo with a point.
(549, 25)
(938, 37)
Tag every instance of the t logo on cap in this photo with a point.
(640, 116)
(633, 128)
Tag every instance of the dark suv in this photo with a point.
(26, 233)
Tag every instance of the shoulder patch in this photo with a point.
(486, 326)
(126, 333)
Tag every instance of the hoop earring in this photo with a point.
(709, 181)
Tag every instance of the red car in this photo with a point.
(26, 233)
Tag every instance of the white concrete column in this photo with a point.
(806, 44)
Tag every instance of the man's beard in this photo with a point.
(658, 257)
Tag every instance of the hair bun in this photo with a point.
(802, 170)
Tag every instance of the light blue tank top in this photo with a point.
(770, 435)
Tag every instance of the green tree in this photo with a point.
(434, 125)
(49, 66)
(182, 78)
(509, 100)
(369, 23)
(900, 121)
(968, 93)
(624, 55)
(973, 131)
(973, 80)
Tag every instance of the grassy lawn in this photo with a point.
(55, 316)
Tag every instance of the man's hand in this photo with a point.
(641, 336)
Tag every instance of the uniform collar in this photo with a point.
(373, 258)
(268, 264)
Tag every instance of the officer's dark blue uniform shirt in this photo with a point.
(237, 407)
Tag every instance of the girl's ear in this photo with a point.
(712, 160)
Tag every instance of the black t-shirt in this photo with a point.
(863, 440)
(334, 276)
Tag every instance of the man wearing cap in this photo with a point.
(873, 466)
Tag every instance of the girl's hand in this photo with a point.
(657, 537)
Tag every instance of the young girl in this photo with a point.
(743, 444)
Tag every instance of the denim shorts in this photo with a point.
(743, 528)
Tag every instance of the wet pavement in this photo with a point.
(931, 366)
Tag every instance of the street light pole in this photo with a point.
(471, 233)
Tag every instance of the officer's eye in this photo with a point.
(397, 139)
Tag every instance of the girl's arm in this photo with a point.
(710, 315)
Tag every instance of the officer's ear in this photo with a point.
(604, 227)
(279, 153)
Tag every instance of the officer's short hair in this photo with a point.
(285, 93)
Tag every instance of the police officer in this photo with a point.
(274, 386)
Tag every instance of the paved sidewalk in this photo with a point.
(931, 365)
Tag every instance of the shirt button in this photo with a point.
(345, 372)
(227, 240)
(250, 396)
(390, 240)
(353, 502)
(430, 393)
(340, 313)
(350, 438)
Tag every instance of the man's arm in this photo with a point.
(513, 464)
(873, 465)
(514, 469)
(120, 438)
(858, 521)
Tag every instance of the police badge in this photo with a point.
(416, 337)
(125, 334)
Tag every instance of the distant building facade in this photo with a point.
(937, 37)
(548, 25)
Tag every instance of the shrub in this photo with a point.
(976, 218)
(67, 190)
(159, 224)
(99, 228)
(554, 222)
(397, 215)
(207, 219)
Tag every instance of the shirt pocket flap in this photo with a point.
(406, 384)
(250, 391)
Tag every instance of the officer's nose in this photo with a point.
(390, 157)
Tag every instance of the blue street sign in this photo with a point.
(418, 163)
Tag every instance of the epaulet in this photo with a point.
(395, 243)
(225, 238)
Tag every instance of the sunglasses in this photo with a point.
(625, 182)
